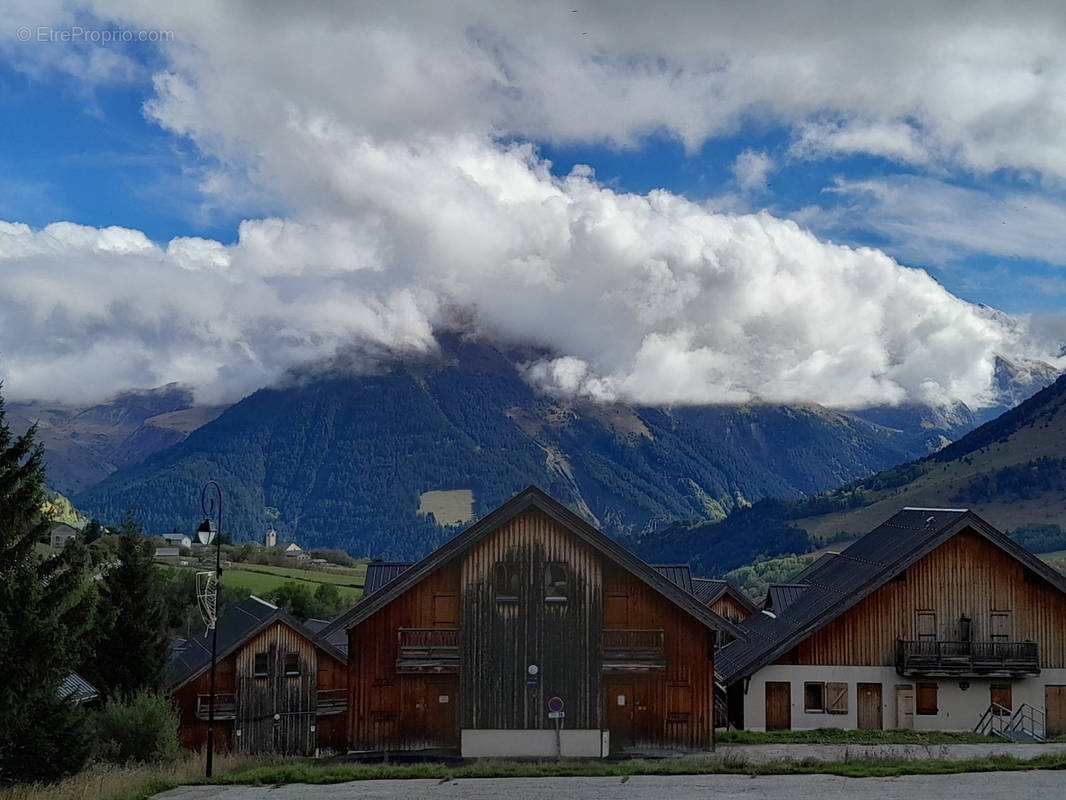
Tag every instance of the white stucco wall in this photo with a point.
(958, 709)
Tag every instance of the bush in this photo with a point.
(143, 730)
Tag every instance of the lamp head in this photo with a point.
(206, 532)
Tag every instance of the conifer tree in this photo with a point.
(44, 613)
(132, 648)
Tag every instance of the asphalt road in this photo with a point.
(1034, 785)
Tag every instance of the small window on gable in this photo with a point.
(556, 582)
(925, 699)
(508, 581)
(926, 626)
(259, 670)
(292, 663)
(1000, 626)
(814, 698)
(836, 698)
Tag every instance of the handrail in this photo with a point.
(961, 658)
(998, 720)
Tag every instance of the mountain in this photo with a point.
(348, 461)
(85, 444)
(1011, 471)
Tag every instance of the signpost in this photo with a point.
(555, 711)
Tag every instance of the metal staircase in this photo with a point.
(1026, 724)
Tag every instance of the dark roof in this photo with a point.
(77, 689)
(236, 626)
(380, 573)
(836, 583)
(710, 590)
(781, 595)
(678, 574)
(529, 498)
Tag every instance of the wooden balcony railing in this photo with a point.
(634, 649)
(332, 701)
(225, 705)
(428, 650)
(966, 659)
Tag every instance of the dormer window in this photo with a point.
(556, 582)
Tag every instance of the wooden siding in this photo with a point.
(192, 731)
(389, 711)
(292, 697)
(965, 576)
(501, 639)
(676, 706)
(728, 607)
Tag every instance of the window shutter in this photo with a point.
(836, 700)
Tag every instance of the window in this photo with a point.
(925, 699)
(260, 668)
(836, 698)
(1000, 626)
(555, 582)
(292, 663)
(814, 698)
(508, 581)
(926, 626)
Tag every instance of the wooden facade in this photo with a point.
(529, 610)
(730, 608)
(276, 692)
(965, 588)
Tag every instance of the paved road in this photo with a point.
(1035, 785)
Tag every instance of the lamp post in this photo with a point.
(205, 533)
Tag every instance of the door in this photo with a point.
(778, 706)
(441, 715)
(905, 708)
(869, 706)
(618, 704)
(1055, 705)
(1000, 694)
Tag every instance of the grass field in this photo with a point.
(259, 579)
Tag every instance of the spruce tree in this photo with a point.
(44, 613)
(132, 648)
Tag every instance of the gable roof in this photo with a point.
(380, 573)
(780, 596)
(710, 590)
(529, 498)
(75, 688)
(235, 627)
(678, 574)
(834, 584)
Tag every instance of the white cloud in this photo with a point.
(392, 140)
(750, 170)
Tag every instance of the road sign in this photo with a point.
(555, 704)
(556, 714)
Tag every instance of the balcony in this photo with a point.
(936, 659)
(332, 701)
(633, 650)
(225, 706)
(427, 650)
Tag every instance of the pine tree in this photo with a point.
(44, 613)
(132, 647)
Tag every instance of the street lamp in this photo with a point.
(205, 533)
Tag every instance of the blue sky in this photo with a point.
(418, 165)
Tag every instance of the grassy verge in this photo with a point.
(134, 782)
(303, 771)
(839, 736)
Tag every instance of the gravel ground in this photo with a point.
(1034, 785)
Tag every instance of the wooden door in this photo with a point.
(1001, 695)
(441, 715)
(1055, 705)
(618, 705)
(905, 707)
(869, 706)
(778, 706)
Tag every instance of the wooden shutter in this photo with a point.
(925, 698)
(836, 698)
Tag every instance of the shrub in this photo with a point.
(144, 730)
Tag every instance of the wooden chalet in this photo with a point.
(723, 598)
(466, 649)
(933, 621)
(278, 689)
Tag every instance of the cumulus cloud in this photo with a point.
(396, 147)
(750, 170)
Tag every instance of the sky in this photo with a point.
(850, 204)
